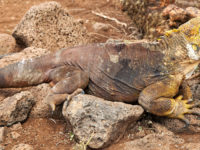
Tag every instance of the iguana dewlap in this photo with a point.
(148, 72)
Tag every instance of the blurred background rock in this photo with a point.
(154, 17)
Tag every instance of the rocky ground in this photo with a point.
(25, 120)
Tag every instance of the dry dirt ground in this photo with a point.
(11, 11)
(50, 133)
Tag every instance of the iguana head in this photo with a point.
(191, 32)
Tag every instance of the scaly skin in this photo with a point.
(148, 72)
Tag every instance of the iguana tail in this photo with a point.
(26, 72)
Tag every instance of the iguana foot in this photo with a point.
(69, 97)
(78, 91)
(56, 99)
(182, 107)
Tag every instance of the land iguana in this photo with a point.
(150, 72)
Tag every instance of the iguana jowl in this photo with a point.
(148, 72)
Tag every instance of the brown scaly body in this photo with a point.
(148, 72)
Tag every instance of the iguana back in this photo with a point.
(117, 71)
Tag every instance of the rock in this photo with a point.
(176, 15)
(27, 53)
(7, 43)
(49, 26)
(103, 121)
(16, 108)
(97, 26)
(168, 9)
(191, 146)
(41, 109)
(14, 135)
(152, 142)
(179, 15)
(2, 147)
(22, 147)
(187, 3)
(15, 127)
(192, 12)
(2, 134)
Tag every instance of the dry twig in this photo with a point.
(110, 18)
(93, 33)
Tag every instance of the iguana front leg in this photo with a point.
(185, 91)
(158, 99)
(67, 82)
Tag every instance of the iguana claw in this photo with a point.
(55, 99)
(69, 97)
(182, 107)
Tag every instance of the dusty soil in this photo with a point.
(51, 133)
(12, 11)
(42, 134)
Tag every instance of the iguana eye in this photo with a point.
(195, 47)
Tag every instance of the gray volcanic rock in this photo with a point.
(102, 121)
(16, 108)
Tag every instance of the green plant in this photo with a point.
(83, 145)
